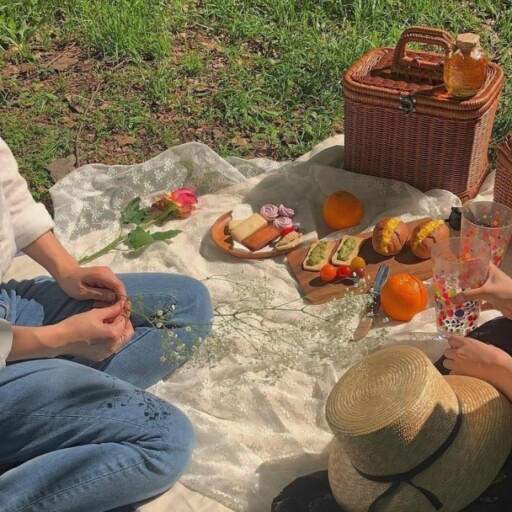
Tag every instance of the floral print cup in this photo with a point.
(458, 264)
(490, 222)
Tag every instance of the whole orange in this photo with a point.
(342, 210)
(403, 296)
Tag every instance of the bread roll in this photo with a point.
(389, 236)
(347, 250)
(318, 255)
(425, 235)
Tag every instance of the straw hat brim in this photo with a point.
(458, 477)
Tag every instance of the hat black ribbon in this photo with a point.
(406, 477)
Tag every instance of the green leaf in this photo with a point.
(139, 237)
(166, 235)
(133, 213)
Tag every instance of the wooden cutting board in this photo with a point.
(317, 291)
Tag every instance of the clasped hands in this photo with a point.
(102, 331)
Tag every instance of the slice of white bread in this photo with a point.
(248, 227)
(318, 255)
(347, 250)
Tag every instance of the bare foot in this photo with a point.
(467, 356)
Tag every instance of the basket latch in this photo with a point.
(407, 103)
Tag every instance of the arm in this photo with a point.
(49, 252)
(32, 224)
(96, 283)
(95, 334)
(29, 219)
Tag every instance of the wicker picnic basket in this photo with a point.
(503, 177)
(401, 123)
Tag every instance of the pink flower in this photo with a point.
(179, 203)
(184, 196)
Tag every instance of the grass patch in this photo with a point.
(246, 77)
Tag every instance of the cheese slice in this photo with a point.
(233, 223)
(248, 227)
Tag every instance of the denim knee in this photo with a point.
(175, 451)
(202, 301)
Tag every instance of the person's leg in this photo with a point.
(82, 440)
(170, 314)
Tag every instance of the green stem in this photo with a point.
(105, 250)
(121, 238)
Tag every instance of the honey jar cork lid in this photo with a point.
(467, 40)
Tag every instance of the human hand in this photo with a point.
(497, 290)
(467, 356)
(97, 283)
(97, 333)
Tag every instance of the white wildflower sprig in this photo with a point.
(250, 321)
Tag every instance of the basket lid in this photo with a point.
(385, 76)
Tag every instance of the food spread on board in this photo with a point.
(327, 267)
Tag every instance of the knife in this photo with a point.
(366, 321)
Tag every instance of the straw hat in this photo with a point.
(409, 439)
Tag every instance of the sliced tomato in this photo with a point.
(287, 230)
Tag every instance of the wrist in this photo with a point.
(65, 267)
(37, 342)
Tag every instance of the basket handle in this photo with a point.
(408, 66)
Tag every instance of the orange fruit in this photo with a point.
(342, 210)
(403, 296)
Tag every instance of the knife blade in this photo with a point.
(366, 321)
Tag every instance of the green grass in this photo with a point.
(216, 71)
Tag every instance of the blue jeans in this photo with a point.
(80, 436)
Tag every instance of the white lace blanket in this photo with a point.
(253, 435)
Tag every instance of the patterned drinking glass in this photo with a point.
(490, 222)
(458, 264)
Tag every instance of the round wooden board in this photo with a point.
(222, 239)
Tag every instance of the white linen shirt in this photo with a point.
(22, 221)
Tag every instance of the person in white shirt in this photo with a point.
(77, 430)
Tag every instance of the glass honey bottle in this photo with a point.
(465, 66)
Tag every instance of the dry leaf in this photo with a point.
(125, 140)
(240, 141)
(10, 70)
(74, 106)
(61, 167)
(63, 63)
